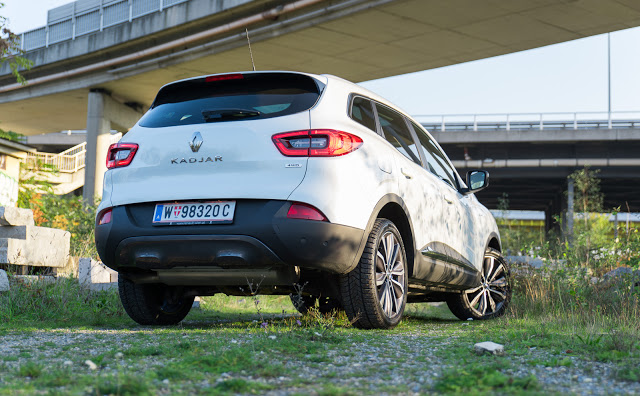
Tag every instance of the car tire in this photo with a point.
(492, 297)
(153, 304)
(325, 304)
(374, 294)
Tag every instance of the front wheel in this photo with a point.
(491, 298)
(374, 294)
(153, 304)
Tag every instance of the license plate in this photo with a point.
(185, 213)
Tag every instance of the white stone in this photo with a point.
(91, 365)
(10, 216)
(68, 363)
(91, 271)
(489, 347)
(4, 281)
(35, 246)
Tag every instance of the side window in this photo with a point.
(362, 112)
(436, 160)
(396, 132)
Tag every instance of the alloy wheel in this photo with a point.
(488, 298)
(390, 275)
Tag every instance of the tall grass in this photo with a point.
(61, 302)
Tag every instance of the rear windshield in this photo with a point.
(244, 97)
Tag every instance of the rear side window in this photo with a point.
(436, 160)
(396, 132)
(362, 112)
(232, 97)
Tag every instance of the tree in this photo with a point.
(10, 51)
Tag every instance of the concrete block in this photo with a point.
(10, 216)
(35, 246)
(4, 281)
(91, 271)
(69, 270)
(102, 286)
(488, 347)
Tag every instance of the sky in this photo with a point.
(567, 77)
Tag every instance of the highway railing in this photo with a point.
(531, 121)
(87, 16)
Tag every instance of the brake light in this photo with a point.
(316, 143)
(105, 217)
(121, 154)
(224, 77)
(303, 211)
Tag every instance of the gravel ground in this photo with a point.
(401, 364)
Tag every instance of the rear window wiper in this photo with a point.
(228, 114)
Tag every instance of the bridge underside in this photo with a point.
(533, 176)
(358, 40)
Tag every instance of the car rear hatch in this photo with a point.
(211, 138)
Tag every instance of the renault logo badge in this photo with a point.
(196, 142)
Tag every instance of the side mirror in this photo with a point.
(477, 180)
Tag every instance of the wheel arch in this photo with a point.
(393, 208)
(493, 242)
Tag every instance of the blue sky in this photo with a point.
(566, 77)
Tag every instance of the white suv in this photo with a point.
(293, 183)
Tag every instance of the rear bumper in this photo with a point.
(261, 237)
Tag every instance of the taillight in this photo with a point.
(303, 211)
(316, 143)
(121, 154)
(104, 217)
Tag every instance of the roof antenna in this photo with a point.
(250, 52)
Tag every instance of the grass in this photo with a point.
(231, 347)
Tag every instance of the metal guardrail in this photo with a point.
(68, 161)
(531, 121)
(86, 16)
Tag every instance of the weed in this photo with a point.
(30, 369)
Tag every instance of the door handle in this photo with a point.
(408, 176)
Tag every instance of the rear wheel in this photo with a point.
(325, 304)
(374, 293)
(491, 298)
(153, 304)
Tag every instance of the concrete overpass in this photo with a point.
(529, 160)
(105, 75)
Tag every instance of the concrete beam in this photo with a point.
(103, 114)
(537, 136)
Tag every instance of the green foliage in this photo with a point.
(588, 197)
(11, 136)
(68, 213)
(483, 379)
(10, 51)
(62, 302)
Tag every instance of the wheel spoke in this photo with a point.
(498, 270)
(399, 287)
(500, 283)
(380, 278)
(492, 303)
(471, 291)
(494, 291)
(476, 298)
(394, 254)
(490, 269)
(483, 303)
(380, 262)
(387, 302)
(397, 269)
(389, 245)
(394, 301)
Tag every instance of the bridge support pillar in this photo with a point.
(103, 114)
